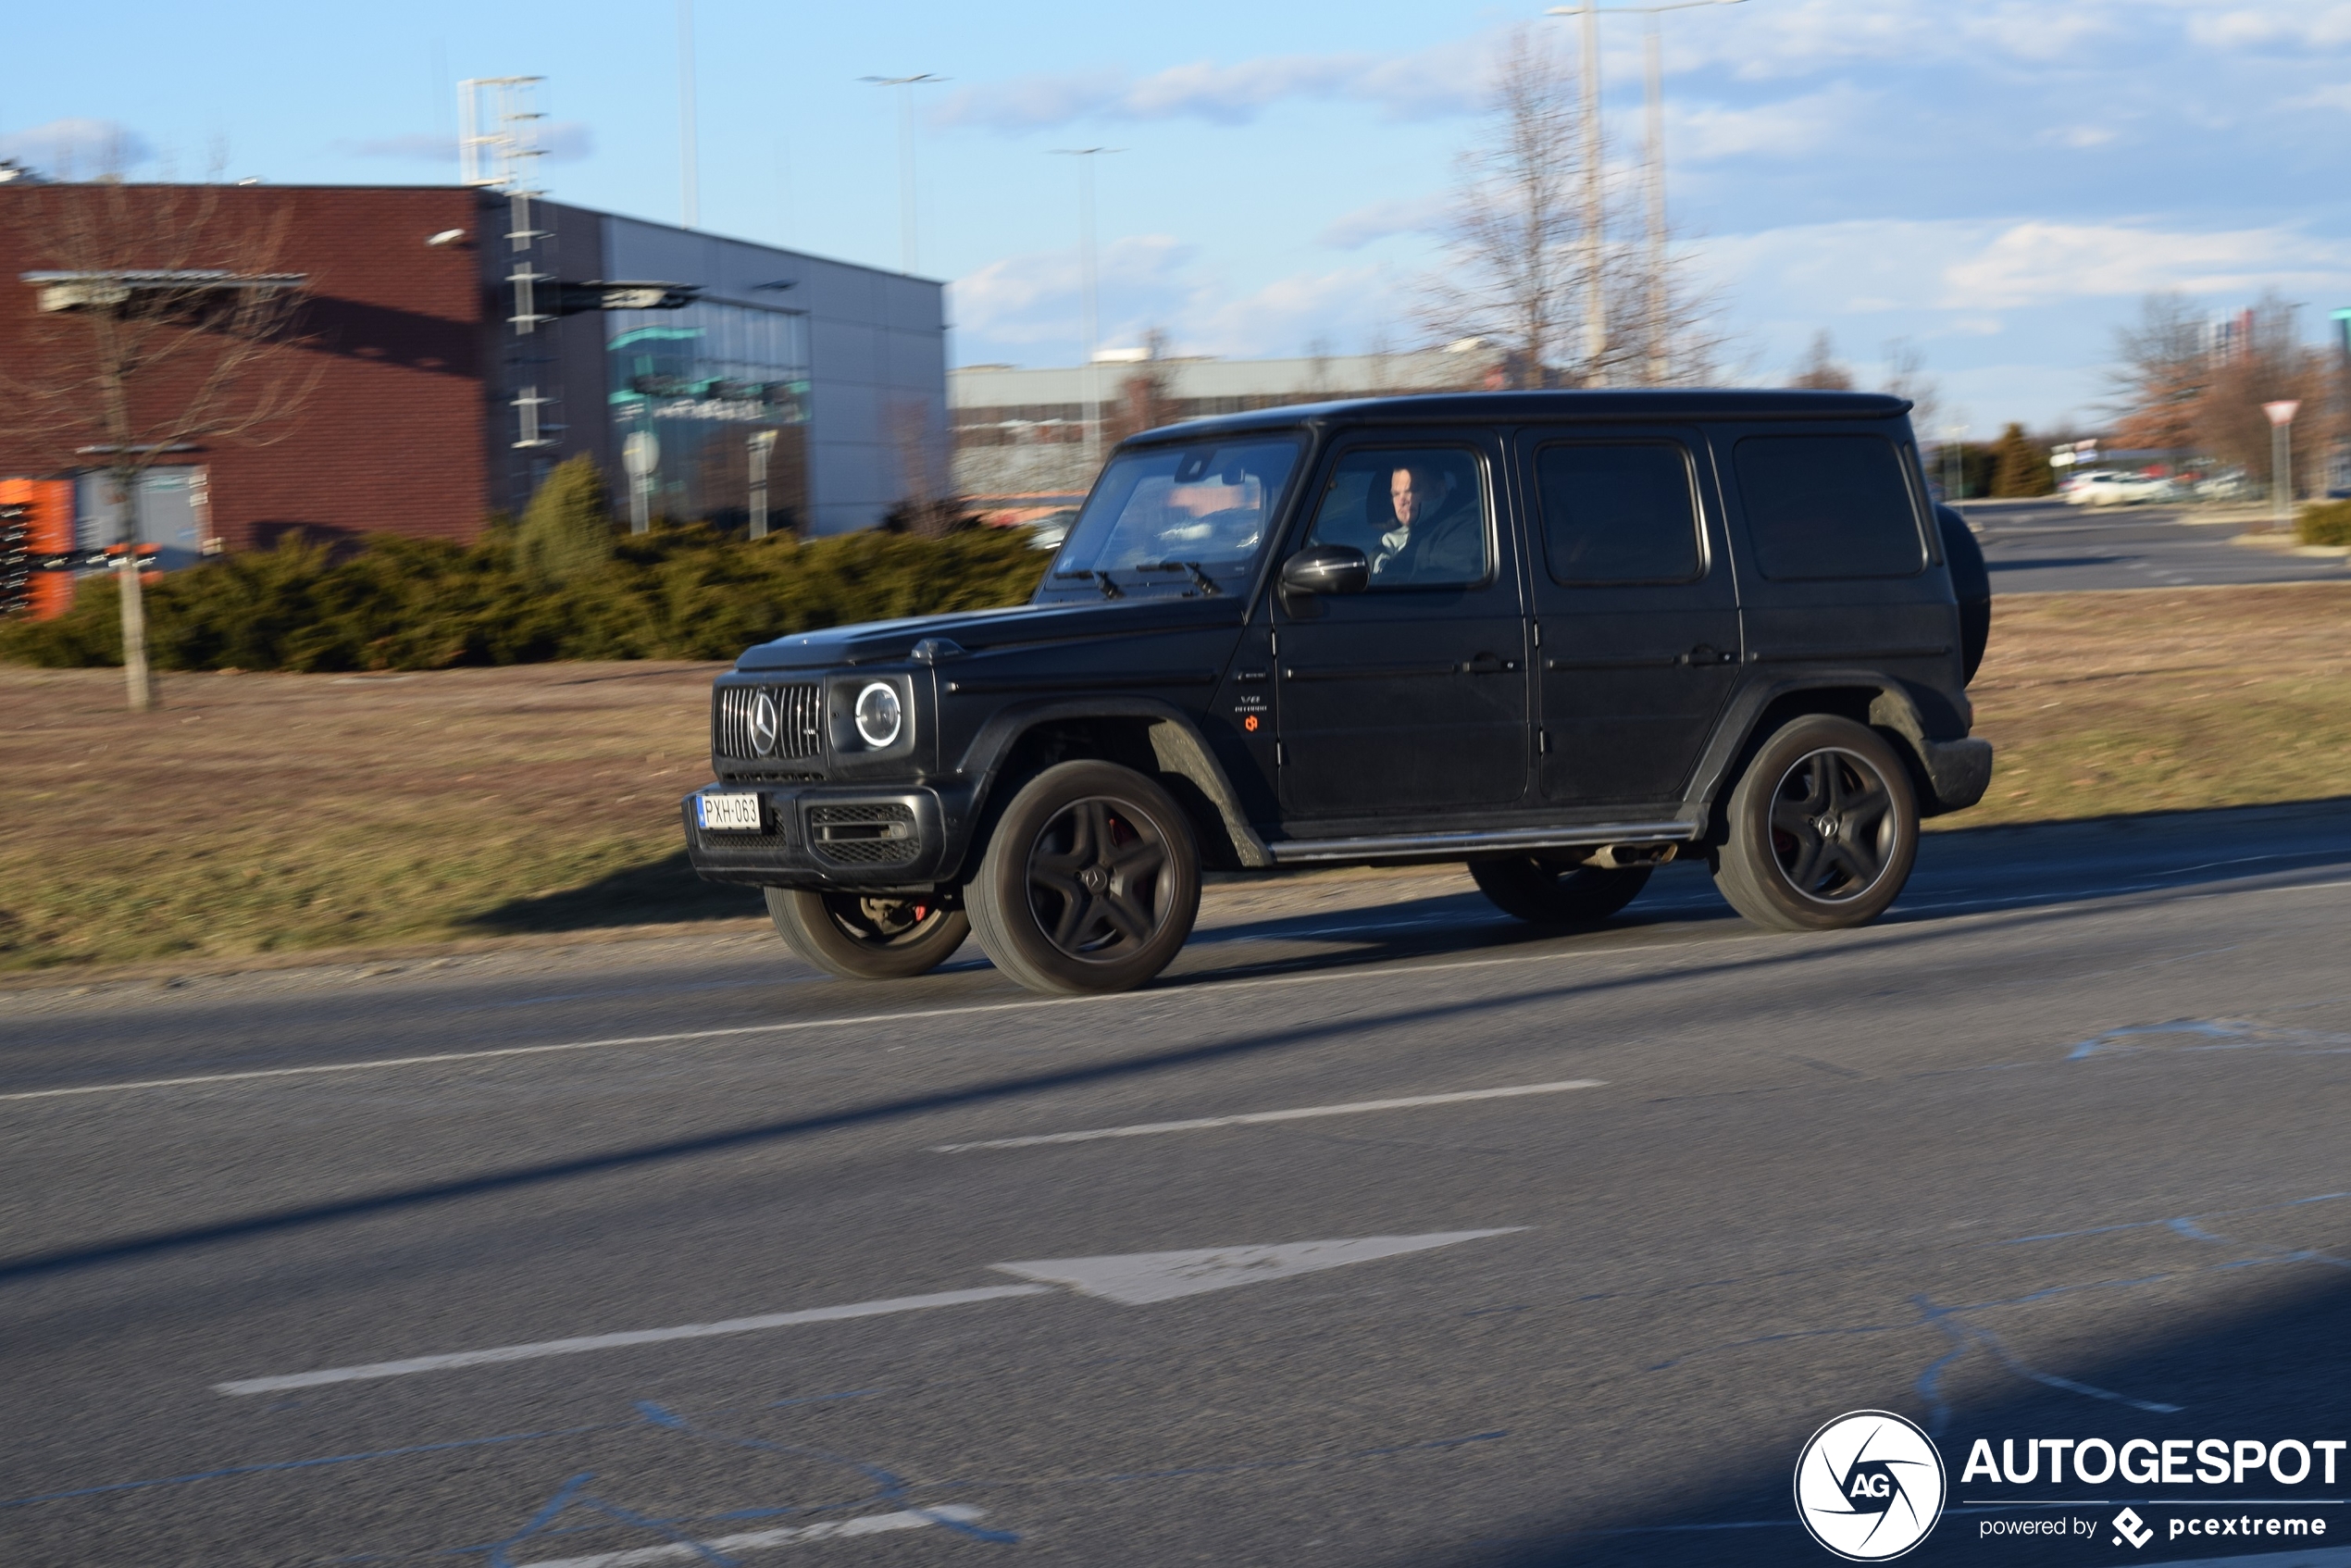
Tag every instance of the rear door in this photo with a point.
(1412, 696)
(1840, 564)
(1635, 608)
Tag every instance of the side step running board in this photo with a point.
(1301, 852)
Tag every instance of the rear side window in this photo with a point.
(1617, 512)
(1828, 508)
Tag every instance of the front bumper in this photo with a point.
(817, 836)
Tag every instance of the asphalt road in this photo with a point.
(2058, 1148)
(2054, 548)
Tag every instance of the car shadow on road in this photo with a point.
(659, 892)
(2266, 1370)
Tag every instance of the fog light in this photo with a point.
(879, 714)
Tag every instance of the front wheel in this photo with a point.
(1824, 829)
(1546, 894)
(867, 935)
(1091, 882)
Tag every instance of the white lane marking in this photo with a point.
(1138, 1279)
(1250, 1118)
(1134, 1278)
(1030, 1004)
(787, 1535)
(1355, 977)
(617, 1341)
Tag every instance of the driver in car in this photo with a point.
(1434, 539)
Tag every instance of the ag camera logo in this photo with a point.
(1869, 1485)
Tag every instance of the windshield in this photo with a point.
(1192, 517)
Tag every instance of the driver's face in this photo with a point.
(1409, 503)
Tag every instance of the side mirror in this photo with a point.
(1326, 568)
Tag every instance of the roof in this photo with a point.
(1663, 402)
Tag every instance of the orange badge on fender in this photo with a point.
(1250, 723)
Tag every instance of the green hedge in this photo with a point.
(2329, 523)
(684, 592)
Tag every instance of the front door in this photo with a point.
(1637, 611)
(1411, 696)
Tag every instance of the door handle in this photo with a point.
(1706, 653)
(1488, 663)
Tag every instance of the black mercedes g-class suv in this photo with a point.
(1561, 636)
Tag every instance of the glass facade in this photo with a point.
(704, 381)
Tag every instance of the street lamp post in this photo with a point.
(1090, 287)
(1595, 215)
(905, 161)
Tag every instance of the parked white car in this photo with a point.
(2107, 488)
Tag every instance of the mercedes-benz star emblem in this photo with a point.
(764, 722)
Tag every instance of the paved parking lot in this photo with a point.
(2048, 547)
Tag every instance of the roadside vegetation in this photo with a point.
(562, 585)
(255, 813)
(2329, 524)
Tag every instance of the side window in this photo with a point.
(1617, 512)
(1417, 511)
(1824, 508)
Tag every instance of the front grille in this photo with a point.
(799, 721)
(880, 834)
(720, 842)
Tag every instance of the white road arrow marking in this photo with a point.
(1138, 1279)
(1133, 1278)
(1256, 1118)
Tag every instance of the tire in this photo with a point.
(1824, 829)
(1091, 881)
(1549, 894)
(868, 936)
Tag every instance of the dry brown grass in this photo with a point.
(267, 813)
(2165, 700)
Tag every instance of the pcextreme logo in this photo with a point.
(1869, 1485)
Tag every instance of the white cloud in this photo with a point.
(2320, 26)
(75, 148)
(1381, 221)
(1034, 297)
(1872, 266)
(1781, 129)
(1448, 79)
(2080, 138)
(2336, 97)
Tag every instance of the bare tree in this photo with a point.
(163, 325)
(1821, 370)
(2165, 370)
(1515, 234)
(2266, 361)
(1906, 378)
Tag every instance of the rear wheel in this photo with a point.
(1551, 893)
(1824, 829)
(868, 936)
(1091, 881)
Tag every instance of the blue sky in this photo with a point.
(1996, 183)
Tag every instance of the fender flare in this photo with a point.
(1175, 744)
(1948, 774)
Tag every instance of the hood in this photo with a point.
(876, 643)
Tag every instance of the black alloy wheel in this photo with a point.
(869, 936)
(1551, 892)
(1824, 829)
(1091, 881)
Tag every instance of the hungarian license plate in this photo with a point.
(736, 813)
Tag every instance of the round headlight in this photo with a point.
(880, 716)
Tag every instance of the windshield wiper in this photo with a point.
(1207, 584)
(1110, 589)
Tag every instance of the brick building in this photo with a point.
(442, 386)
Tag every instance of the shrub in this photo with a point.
(678, 593)
(2328, 523)
(568, 528)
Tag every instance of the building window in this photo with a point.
(703, 380)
